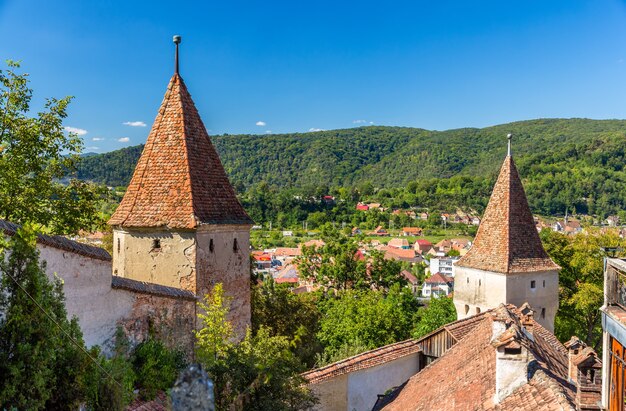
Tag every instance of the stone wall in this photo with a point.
(222, 263)
(172, 264)
(138, 308)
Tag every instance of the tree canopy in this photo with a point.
(35, 153)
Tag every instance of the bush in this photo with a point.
(156, 367)
(102, 391)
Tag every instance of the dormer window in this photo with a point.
(513, 351)
(533, 284)
(156, 244)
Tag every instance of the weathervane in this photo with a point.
(177, 40)
(509, 136)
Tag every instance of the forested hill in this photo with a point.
(572, 159)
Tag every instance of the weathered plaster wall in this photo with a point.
(168, 319)
(101, 309)
(483, 290)
(545, 295)
(88, 293)
(173, 264)
(332, 394)
(365, 385)
(358, 390)
(221, 263)
(477, 290)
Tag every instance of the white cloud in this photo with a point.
(261, 123)
(312, 130)
(362, 122)
(134, 123)
(268, 131)
(124, 140)
(77, 131)
(93, 148)
(97, 139)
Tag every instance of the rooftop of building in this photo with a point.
(507, 240)
(473, 359)
(179, 180)
(60, 242)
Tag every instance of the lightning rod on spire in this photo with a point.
(177, 39)
(509, 136)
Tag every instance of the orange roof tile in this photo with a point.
(179, 181)
(507, 240)
(361, 361)
(473, 359)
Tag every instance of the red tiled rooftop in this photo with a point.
(439, 278)
(179, 181)
(472, 384)
(366, 360)
(507, 240)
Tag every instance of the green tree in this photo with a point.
(39, 365)
(338, 264)
(34, 154)
(367, 318)
(295, 316)
(214, 339)
(581, 281)
(439, 312)
(156, 367)
(259, 373)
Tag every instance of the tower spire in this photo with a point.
(177, 39)
(508, 136)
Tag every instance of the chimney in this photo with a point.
(574, 347)
(588, 380)
(512, 357)
(527, 319)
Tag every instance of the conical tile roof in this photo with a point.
(179, 181)
(507, 240)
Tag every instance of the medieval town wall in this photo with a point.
(138, 308)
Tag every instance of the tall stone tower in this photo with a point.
(507, 262)
(180, 223)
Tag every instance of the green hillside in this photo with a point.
(576, 163)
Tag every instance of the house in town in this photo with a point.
(411, 231)
(399, 243)
(422, 246)
(437, 285)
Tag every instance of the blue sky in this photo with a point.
(295, 66)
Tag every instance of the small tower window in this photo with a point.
(466, 309)
(513, 351)
(156, 244)
(543, 313)
(532, 284)
(544, 283)
(480, 282)
(211, 246)
(468, 280)
(235, 246)
(118, 246)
